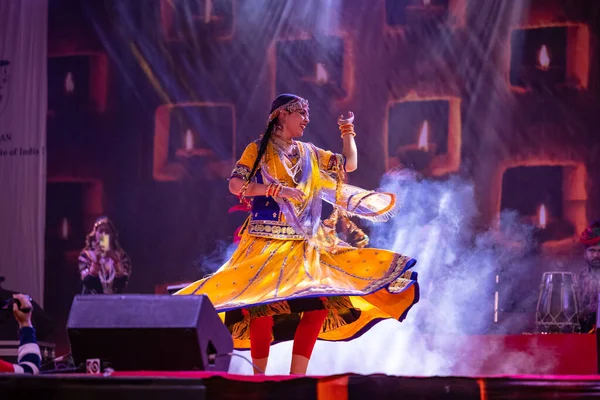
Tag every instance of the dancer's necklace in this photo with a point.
(288, 147)
(286, 156)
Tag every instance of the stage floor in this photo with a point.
(200, 385)
(489, 367)
(443, 355)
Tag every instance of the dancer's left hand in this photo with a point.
(342, 121)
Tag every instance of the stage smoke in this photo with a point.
(457, 266)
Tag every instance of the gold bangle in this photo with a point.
(243, 189)
(348, 134)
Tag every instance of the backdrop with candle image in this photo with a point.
(481, 116)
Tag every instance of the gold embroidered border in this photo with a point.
(273, 230)
(240, 171)
(398, 264)
(268, 221)
(296, 105)
(401, 283)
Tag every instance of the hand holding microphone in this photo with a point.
(21, 305)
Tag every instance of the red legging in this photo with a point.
(304, 339)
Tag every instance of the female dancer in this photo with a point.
(291, 275)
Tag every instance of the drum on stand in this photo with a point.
(557, 308)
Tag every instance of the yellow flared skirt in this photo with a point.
(283, 278)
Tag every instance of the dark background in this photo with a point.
(116, 148)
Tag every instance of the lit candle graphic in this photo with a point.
(69, 83)
(544, 58)
(64, 229)
(423, 143)
(208, 6)
(542, 217)
(189, 147)
(188, 141)
(321, 74)
(418, 155)
(319, 77)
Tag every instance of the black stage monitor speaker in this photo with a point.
(148, 332)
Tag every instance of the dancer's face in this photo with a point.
(295, 123)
